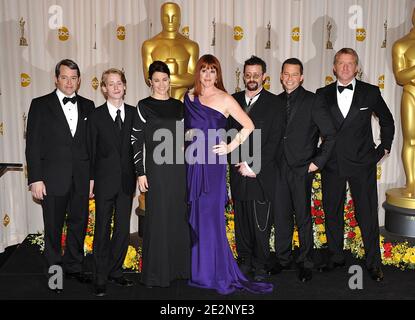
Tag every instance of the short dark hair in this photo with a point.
(294, 61)
(256, 61)
(158, 66)
(68, 63)
(346, 51)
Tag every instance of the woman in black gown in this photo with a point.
(166, 240)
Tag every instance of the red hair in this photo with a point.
(208, 61)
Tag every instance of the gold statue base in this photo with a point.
(399, 213)
(397, 198)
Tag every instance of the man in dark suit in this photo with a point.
(113, 179)
(307, 120)
(58, 167)
(351, 104)
(252, 189)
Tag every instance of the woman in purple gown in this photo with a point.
(206, 111)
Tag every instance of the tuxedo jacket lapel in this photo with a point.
(82, 116)
(115, 137)
(126, 132)
(297, 105)
(356, 103)
(56, 109)
(334, 106)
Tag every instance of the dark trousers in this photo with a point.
(253, 221)
(55, 209)
(293, 196)
(110, 251)
(364, 193)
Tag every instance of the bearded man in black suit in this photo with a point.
(253, 186)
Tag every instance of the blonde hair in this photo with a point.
(104, 78)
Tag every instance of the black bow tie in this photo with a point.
(341, 88)
(66, 100)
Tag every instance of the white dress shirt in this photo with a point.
(70, 110)
(344, 99)
(113, 111)
(254, 98)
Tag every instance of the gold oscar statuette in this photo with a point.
(171, 47)
(23, 40)
(24, 125)
(95, 43)
(214, 33)
(385, 25)
(400, 202)
(238, 75)
(268, 45)
(329, 44)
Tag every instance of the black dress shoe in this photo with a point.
(121, 281)
(80, 277)
(100, 290)
(260, 275)
(305, 274)
(376, 274)
(331, 266)
(277, 268)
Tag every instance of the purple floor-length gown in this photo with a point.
(213, 265)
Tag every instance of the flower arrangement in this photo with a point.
(133, 258)
(400, 255)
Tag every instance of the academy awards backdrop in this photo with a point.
(99, 34)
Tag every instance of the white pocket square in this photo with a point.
(361, 109)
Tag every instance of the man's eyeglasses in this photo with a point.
(255, 76)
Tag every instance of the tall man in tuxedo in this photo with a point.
(113, 179)
(253, 190)
(58, 167)
(307, 120)
(351, 104)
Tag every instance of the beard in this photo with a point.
(252, 85)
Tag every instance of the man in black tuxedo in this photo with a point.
(252, 189)
(58, 167)
(351, 104)
(113, 179)
(307, 121)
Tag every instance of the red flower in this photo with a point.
(387, 254)
(349, 215)
(353, 223)
(387, 246)
(318, 220)
(350, 202)
(351, 235)
(317, 203)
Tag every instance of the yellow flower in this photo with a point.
(316, 185)
(323, 238)
(412, 259)
(319, 195)
(88, 242)
(321, 228)
(406, 257)
(231, 225)
(128, 263)
(397, 258)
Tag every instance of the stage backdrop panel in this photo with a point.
(99, 34)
